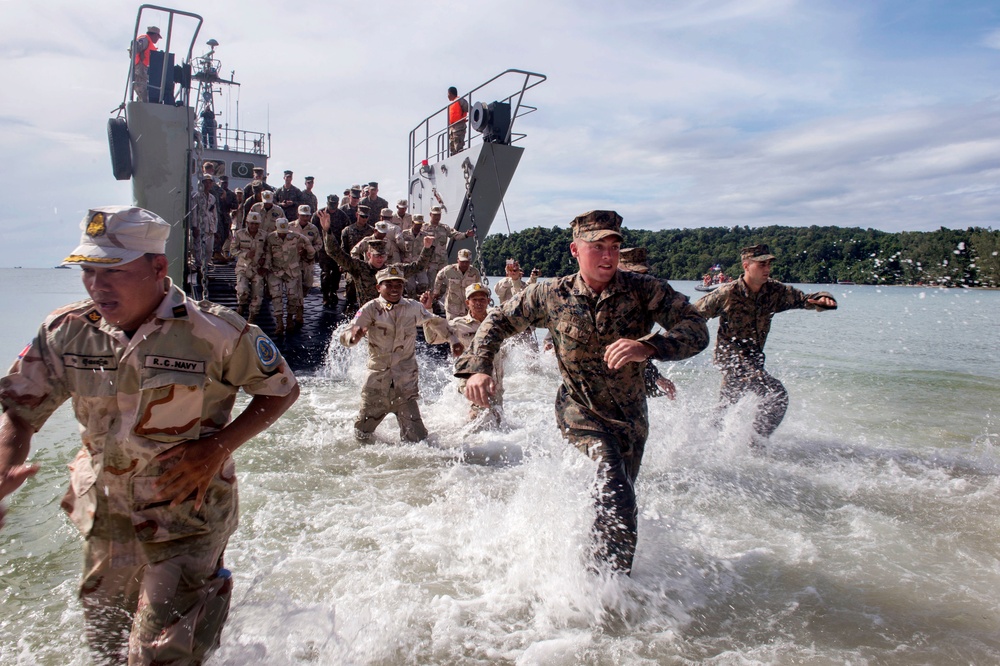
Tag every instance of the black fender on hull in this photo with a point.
(121, 152)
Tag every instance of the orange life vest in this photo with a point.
(143, 56)
(455, 112)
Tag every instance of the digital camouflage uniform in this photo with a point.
(288, 193)
(364, 273)
(204, 219)
(451, 283)
(175, 380)
(442, 233)
(308, 198)
(744, 322)
(353, 234)
(284, 275)
(410, 246)
(375, 206)
(308, 266)
(268, 216)
(329, 270)
(250, 259)
(601, 411)
(391, 383)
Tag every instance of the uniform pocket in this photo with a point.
(568, 328)
(170, 406)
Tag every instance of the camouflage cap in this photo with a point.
(756, 253)
(597, 224)
(418, 219)
(253, 217)
(355, 191)
(389, 273)
(376, 246)
(362, 210)
(464, 255)
(373, 184)
(310, 179)
(281, 224)
(116, 235)
(386, 212)
(633, 259)
(267, 196)
(305, 209)
(476, 288)
(258, 169)
(332, 198)
(288, 172)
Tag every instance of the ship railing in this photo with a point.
(430, 138)
(164, 85)
(242, 141)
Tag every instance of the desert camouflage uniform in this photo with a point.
(744, 322)
(250, 259)
(283, 257)
(464, 328)
(442, 233)
(174, 381)
(507, 288)
(204, 220)
(410, 246)
(329, 270)
(308, 266)
(601, 411)
(402, 223)
(269, 216)
(392, 256)
(364, 273)
(451, 283)
(391, 384)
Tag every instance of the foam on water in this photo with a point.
(863, 533)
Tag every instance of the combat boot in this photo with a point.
(279, 327)
(299, 317)
(290, 323)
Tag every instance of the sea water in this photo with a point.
(864, 533)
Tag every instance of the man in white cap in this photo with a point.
(270, 213)
(452, 281)
(251, 275)
(283, 252)
(305, 227)
(383, 232)
(391, 383)
(141, 49)
(152, 376)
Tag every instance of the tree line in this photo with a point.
(948, 257)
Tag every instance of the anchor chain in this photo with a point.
(485, 281)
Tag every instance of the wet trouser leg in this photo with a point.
(375, 407)
(773, 397)
(617, 523)
(170, 612)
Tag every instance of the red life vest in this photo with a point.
(142, 57)
(455, 112)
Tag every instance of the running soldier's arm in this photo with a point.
(711, 304)
(781, 297)
(420, 265)
(364, 318)
(685, 332)
(336, 252)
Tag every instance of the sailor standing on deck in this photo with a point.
(601, 322)
(140, 62)
(152, 376)
(745, 308)
(391, 383)
(458, 117)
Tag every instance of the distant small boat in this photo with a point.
(844, 282)
(706, 287)
(61, 266)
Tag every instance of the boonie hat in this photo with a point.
(464, 255)
(597, 224)
(476, 288)
(281, 224)
(381, 227)
(390, 273)
(267, 196)
(116, 235)
(305, 209)
(756, 253)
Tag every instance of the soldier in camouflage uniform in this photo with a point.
(204, 218)
(329, 270)
(315, 236)
(350, 237)
(307, 196)
(441, 233)
(350, 205)
(410, 242)
(391, 383)
(284, 249)
(374, 202)
(514, 282)
(269, 212)
(601, 322)
(451, 283)
(745, 308)
(401, 218)
(288, 197)
(152, 376)
(248, 248)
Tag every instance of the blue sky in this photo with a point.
(677, 114)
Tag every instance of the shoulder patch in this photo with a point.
(93, 316)
(179, 311)
(266, 352)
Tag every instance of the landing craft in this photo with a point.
(161, 145)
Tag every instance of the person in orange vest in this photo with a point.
(140, 59)
(458, 114)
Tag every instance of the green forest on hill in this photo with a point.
(949, 257)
